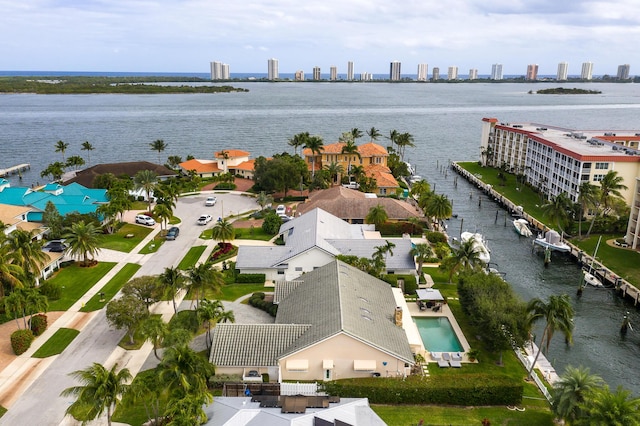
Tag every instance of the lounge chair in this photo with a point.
(443, 364)
(435, 356)
(455, 364)
(457, 356)
(446, 356)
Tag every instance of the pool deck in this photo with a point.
(410, 310)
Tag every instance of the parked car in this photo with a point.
(56, 246)
(173, 233)
(204, 219)
(281, 209)
(145, 220)
(211, 201)
(284, 217)
(253, 373)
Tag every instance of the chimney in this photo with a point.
(398, 316)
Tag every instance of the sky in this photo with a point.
(186, 35)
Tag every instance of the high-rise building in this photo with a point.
(587, 71)
(333, 73)
(216, 70)
(423, 71)
(316, 73)
(563, 71)
(366, 76)
(496, 72)
(532, 72)
(350, 70)
(299, 75)
(452, 73)
(272, 69)
(473, 74)
(226, 74)
(623, 72)
(435, 74)
(394, 71)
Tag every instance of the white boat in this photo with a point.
(479, 245)
(592, 279)
(553, 241)
(522, 227)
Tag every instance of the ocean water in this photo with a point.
(445, 120)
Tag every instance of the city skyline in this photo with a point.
(186, 36)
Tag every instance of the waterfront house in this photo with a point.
(313, 240)
(234, 161)
(86, 176)
(334, 322)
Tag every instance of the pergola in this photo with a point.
(429, 294)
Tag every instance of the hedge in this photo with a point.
(461, 390)
(410, 284)
(399, 228)
(257, 301)
(21, 341)
(436, 237)
(250, 278)
(38, 324)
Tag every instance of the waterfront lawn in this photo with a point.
(111, 288)
(191, 257)
(57, 343)
(118, 241)
(402, 415)
(623, 262)
(76, 281)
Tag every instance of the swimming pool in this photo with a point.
(437, 334)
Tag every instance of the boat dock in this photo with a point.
(14, 169)
(610, 279)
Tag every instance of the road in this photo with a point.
(41, 404)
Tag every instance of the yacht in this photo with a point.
(553, 241)
(522, 227)
(479, 244)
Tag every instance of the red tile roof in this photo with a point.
(199, 167)
(231, 153)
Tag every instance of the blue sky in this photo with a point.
(185, 35)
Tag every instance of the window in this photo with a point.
(298, 268)
(598, 178)
(280, 271)
(602, 166)
(586, 166)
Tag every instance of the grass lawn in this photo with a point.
(2, 411)
(153, 245)
(76, 281)
(234, 291)
(57, 343)
(191, 257)
(111, 288)
(440, 415)
(623, 262)
(131, 413)
(138, 340)
(255, 233)
(118, 241)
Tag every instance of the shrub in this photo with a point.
(250, 278)
(271, 224)
(186, 320)
(257, 301)
(399, 228)
(226, 185)
(38, 324)
(51, 289)
(217, 381)
(410, 283)
(21, 341)
(436, 237)
(223, 251)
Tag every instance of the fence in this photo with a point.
(308, 389)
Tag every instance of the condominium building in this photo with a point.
(226, 74)
(473, 74)
(587, 71)
(316, 73)
(333, 73)
(623, 72)
(435, 74)
(532, 72)
(217, 71)
(633, 228)
(496, 72)
(556, 159)
(563, 71)
(452, 73)
(272, 69)
(423, 70)
(366, 76)
(394, 71)
(299, 75)
(350, 70)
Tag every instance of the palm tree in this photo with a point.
(335, 171)
(610, 187)
(74, 161)
(223, 231)
(189, 410)
(83, 241)
(404, 140)
(606, 408)
(101, 390)
(10, 273)
(16, 304)
(466, 256)
(393, 137)
(572, 390)
(420, 188)
(146, 180)
(315, 145)
(377, 215)
(26, 252)
(158, 145)
(263, 199)
(438, 207)
(355, 134)
(299, 140)
(174, 161)
(153, 329)
(202, 277)
(588, 196)
(184, 372)
(421, 252)
(212, 312)
(61, 147)
(350, 148)
(86, 146)
(172, 280)
(558, 315)
(374, 134)
(557, 210)
(55, 170)
(164, 213)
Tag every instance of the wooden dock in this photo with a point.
(608, 277)
(14, 169)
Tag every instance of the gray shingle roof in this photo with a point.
(253, 345)
(283, 289)
(401, 258)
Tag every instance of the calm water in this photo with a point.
(445, 120)
(438, 334)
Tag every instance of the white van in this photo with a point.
(145, 220)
